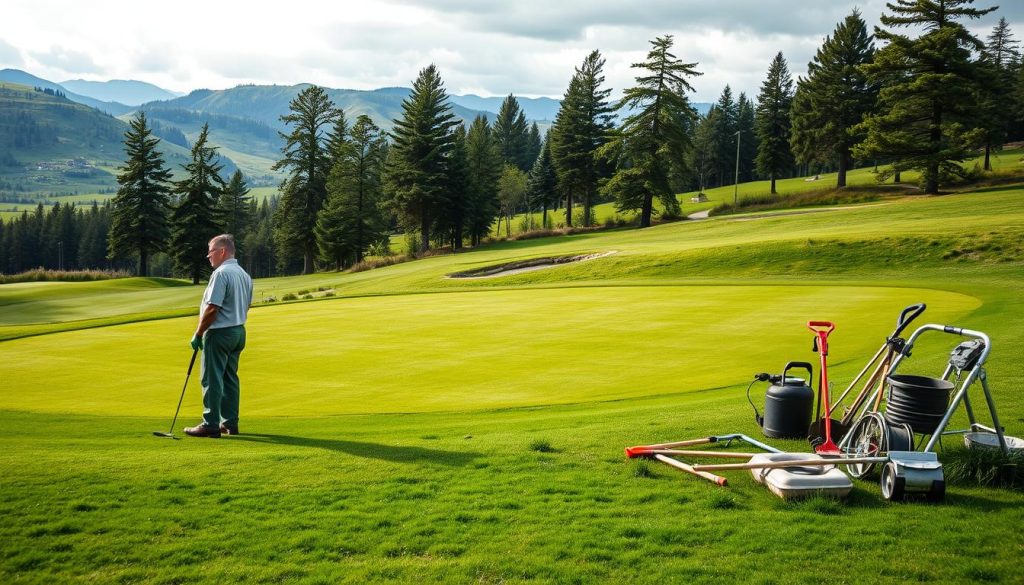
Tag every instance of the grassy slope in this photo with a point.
(326, 487)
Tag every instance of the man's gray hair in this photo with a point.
(226, 241)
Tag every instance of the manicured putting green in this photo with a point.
(466, 351)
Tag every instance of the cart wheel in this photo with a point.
(938, 491)
(900, 437)
(868, 438)
(894, 487)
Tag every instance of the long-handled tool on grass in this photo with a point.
(822, 329)
(716, 479)
(640, 450)
(170, 434)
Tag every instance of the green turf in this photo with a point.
(415, 428)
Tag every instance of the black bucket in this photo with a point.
(918, 401)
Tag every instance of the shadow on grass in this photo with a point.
(396, 454)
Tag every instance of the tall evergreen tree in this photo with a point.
(745, 124)
(138, 222)
(654, 140)
(582, 126)
(772, 125)
(235, 208)
(543, 185)
(534, 143)
(702, 155)
(458, 197)
(925, 103)
(483, 168)
(725, 128)
(834, 98)
(307, 158)
(417, 173)
(92, 247)
(351, 221)
(998, 65)
(512, 134)
(194, 219)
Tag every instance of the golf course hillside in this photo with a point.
(413, 424)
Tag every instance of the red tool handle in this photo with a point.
(825, 327)
(822, 330)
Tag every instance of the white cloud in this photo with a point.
(527, 47)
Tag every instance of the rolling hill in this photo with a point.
(51, 145)
(23, 78)
(124, 91)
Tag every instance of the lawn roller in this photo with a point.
(821, 330)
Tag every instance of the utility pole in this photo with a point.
(736, 180)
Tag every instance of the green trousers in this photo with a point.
(221, 389)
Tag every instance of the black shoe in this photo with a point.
(228, 430)
(202, 430)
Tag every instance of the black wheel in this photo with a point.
(938, 491)
(868, 438)
(894, 487)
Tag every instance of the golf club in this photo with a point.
(170, 434)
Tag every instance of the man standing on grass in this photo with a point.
(221, 336)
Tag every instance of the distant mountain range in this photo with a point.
(130, 92)
(244, 120)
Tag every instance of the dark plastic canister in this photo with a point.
(788, 405)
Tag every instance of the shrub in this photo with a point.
(303, 292)
(329, 293)
(289, 297)
(541, 446)
(307, 296)
(45, 275)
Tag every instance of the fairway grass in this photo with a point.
(467, 351)
(415, 428)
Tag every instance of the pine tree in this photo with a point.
(235, 209)
(834, 98)
(772, 125)
(995, 92)
(417, 172)
(307, 157)
(705, 149)
(724, 130)
(652, 144)
(927, 89)
(483, 168)
(533, 144)
(745, 115)
(543, 185)
(582, 126)
(454, 221)
(512, 135)
(139, 215)
(194, 220)
(351, 220)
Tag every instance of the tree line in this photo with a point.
(922, 103)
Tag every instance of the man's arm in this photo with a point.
(207, 319)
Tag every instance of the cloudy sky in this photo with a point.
(526, 47)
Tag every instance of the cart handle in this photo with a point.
(907, 316)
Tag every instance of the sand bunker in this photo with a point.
(522, 266)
